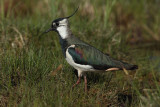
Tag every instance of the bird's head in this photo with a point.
(61, 25)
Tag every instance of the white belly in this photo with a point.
(77, 66)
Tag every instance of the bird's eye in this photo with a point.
(57, 24)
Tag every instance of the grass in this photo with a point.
(127, 30)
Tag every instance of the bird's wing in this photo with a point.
(88, 55)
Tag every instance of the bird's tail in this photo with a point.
(130, 67)
(125, 65)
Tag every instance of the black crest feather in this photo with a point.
(73, 13)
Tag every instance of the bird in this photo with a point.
(83, 56)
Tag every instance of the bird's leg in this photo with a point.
(78, 81)
(85, 81)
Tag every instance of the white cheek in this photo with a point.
(63, 31)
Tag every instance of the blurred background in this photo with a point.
(126, 29)
(138, 20)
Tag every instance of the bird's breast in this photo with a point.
(76, 65)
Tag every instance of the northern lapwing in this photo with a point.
(82, 56)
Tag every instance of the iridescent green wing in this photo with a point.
(88, 55)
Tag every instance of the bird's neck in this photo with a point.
(64, 32)
(64, 44)
(66, 38)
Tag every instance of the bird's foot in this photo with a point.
(78, 81)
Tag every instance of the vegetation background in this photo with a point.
(33, 71)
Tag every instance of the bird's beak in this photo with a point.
(51, 29)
